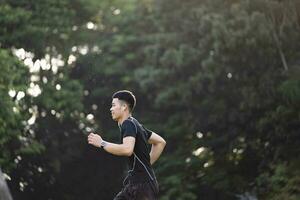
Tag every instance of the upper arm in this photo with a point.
(155, 139)
(129, 132)
(128, 143)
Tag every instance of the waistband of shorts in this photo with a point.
(138, 177)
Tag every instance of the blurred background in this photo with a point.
(218, 79)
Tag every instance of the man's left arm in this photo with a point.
(158, 145)
(124, 149)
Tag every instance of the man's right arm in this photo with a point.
(158, 145)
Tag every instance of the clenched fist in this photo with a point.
(94, 139)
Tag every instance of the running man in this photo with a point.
(140, 182)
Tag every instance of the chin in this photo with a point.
(114, 118)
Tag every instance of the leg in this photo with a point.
(142, 191)
(129, 192)
(148, 191)
(120, 196)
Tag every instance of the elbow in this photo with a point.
(128, 152)
(163, 143)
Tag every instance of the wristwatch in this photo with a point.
(103, 144)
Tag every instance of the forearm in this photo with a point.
(117, 149)
(156, 151)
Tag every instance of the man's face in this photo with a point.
(117, 109)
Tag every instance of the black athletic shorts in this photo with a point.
(139, 191)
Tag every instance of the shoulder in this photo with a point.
(128, 124)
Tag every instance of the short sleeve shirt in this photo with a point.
(139, 161)
(128, 128)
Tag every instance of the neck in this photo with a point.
(123, 118)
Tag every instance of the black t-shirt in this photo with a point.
(139, 161)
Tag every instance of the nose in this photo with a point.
(110, 109)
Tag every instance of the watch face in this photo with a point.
(103, 144)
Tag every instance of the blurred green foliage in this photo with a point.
(218, 79)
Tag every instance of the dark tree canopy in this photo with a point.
(218, 79)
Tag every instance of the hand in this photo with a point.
(94, 139)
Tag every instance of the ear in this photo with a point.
(124, 107)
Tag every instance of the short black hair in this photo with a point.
(127, 96)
